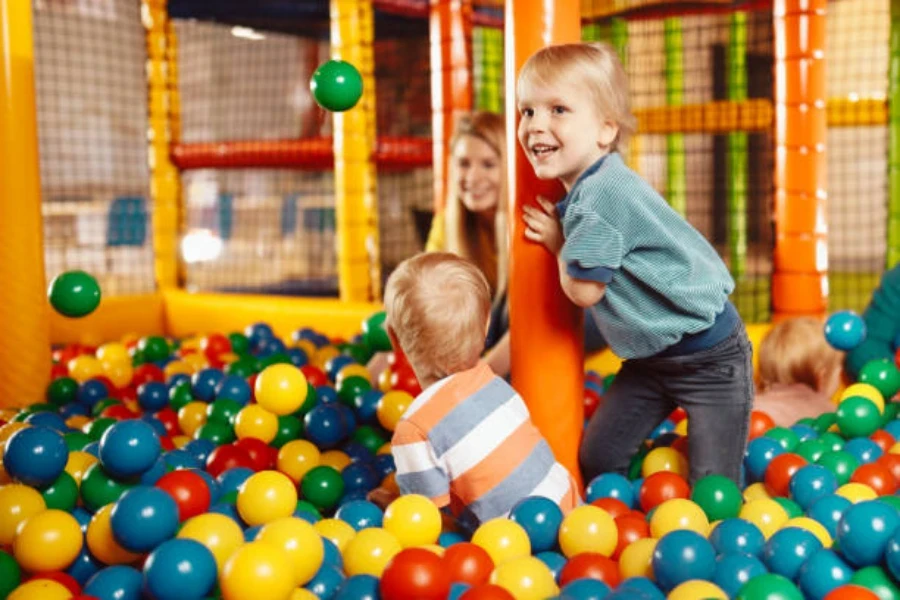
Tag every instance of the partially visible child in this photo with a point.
(467, 441)
(799, 371)
(658, 289)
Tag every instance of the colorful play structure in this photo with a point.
(172, 150)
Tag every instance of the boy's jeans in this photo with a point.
(714, 387)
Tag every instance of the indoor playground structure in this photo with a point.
(186, 413)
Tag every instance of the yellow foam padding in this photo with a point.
(605, 362)
(115, 317)
(187, 313)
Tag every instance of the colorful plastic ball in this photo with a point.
(845, 330)
(664, 459)
(143, 518)
(189, 490)
(502, 539)
(324, 427)
(770, 586)
(10, 574)
(851, 592)
(48, 541)
(374, 333)
(883, 374)
(526, 578)
(266, 496)
(737, 536)
(588, 529)
(857, 416)
(467, 563)
(637, 587)
(865, 390)
(661, 487)
(369, 552)
(875, 578)
(254, 421)
(102, 543)
(680, 556)
(637, 559)
(892, 554)
(358, 587)
(487, 591)
(281, 389)
(414, 519)
(257, 570)
(780, 471)
(788, 549)
(611, 485)
(718, 497)
(360, 514)
(733, 570)
(823, 572)
(415, 574)
(590, 565)
(541, 519)
(179, 569)
(74, 294)
(322, 487)
(359, 477)
(766, 514)
(336, 85)
(810, 483)
(62, 494)
(218, 533)
(128, 448)
(391, 408)
(759, 454)
(296, 458)
(40, 589)
(585, 589)
(326, 582)
(300, 542)
(35, 456)
(692, 590)
(678, 513)
(864, 531)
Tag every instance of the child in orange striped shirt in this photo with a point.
(467, 441)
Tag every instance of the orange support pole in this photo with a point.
(546, 329)
(450, 33)
(800, 279)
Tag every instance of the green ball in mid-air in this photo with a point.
(375, 334)
(74, 294)
(336, 85)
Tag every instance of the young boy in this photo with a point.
(657, 288)
(467, 441)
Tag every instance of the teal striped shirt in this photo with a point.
(664, 281)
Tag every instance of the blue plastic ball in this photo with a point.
(680, 556)
(325, 394)
(200, 448)
(585, 589)
(360, 514)
(231, 479)
(823, 572)
(359, 476)
(384, 465)
(46, 418)
(759, 454)
(865, 530)
(845, 330)
(540, 518)
(143, 518)
(234, 388)
(366, 405)
(332, 554)
(611, 485)
(448, 538)
(154, 473)
(828, 512)
(180, 459)
(892, 554)
(35, 456)
(84, 566)
(324, 426)
(734, 570)
(863, 449)
(326, 582)
(91, 392)
(153, 396)
(128, 448)
(358, 587)
(788, 549)
(204, 383)
(115, 583)
(180, 569)
(640, 585)
(810, 483)
(737, 536)
(554, 561)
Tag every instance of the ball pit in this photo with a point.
(238, 465)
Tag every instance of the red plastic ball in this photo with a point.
(487, 592)
(760, 423)
(615, 507)
(169, 419)
(590, 565)
(892, 462)
(166, 443)
(591, 402)
(883, 439)
(851, 592)
(415, 574)
(118, 411)
(662, 486)
(468, 563)
(631, 529)
(146, 373)
(189, 490)
(227, 456)
(313, 374)
(403, 378)
(262, 456)
(877, 476)
(58, 370)
(64, 579)
(779, 473)
(214, 345)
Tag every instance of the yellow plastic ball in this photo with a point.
(307, 346)
(195, 361)
(678, 513)
(385, 449)
(588, 529)
(296, 458)
(220, 534)
(40, 589)
(391, 407)
(192, 416)
(180, 441)
(17, 504)
(665, 459)
(895, 449)
(48, 541)
(300, 542)
(335, 459)
(257, 570)
(414, 519)
(177, 367)
(113, 352)
(636, 559)
(84, 367)
(370, 551)
(102, 544)
(434, 549)
(814, 527)
(119, 373)
(266, 496)
(322, 355)
(865, 390)
(77, 421)
(756, 491)
(281, 389)
(256, 422)
(78, 463)
(384, 380)
(856, 492)
(336, 531)
(526, 578)
(351, 370)
(696, 589)
(766, 514)
(503, 540)
(302, 594)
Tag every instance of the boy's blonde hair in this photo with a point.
(438, 306)
(595, 66)
(461, 231)
(795, 351)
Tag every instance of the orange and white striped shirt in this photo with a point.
(468, 442)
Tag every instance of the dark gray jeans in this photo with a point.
(714, 387)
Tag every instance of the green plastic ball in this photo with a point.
(858, 417)
(375, 334)
(103, 405)
(833, 441)
(824, 421)
(180, 396)
(242, 367)
(153, 348)
(883, 375)
(811, 449)
(99, 488)
(336, 85)
(718, 496)
(304, 506)
(76, 440)
(874, 578)
(97, 427)
(784, 436)
(62, 391)
(323, 487)
(309, 403)
(62, 494)
(891, 410)
(216, 432)
(769, 586)
(369, 437)
(240, 345)
(223, 411)
(289, 428)
(10, 574)
(74, 294)
(351, 387)
(790, 507)
(841, 463)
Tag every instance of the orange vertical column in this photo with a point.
(800, 274)
(546, 329)
(450, 33)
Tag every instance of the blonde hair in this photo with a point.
(438, 305)
(595, 66)
(459, 223)
(795, 351)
